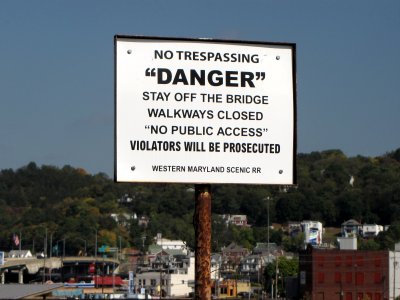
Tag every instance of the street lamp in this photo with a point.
(268, 198)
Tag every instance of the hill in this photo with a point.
(68, 203)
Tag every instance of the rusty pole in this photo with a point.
(202, 228)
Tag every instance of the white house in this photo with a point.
(176, 282)
(371, 230)
(238, 220)
(351, 228)
(167, 244)
(20, 254)
(123, 219)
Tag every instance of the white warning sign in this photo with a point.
(204, 111)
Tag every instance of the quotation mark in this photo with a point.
(260, 75)
(150, 72)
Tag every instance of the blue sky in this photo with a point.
(57, 70)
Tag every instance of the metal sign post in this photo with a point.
(202, 227)
(204, 112)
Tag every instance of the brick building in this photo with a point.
(346, 274)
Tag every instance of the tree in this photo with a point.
(71, 200)
(389, 238)
(369, 244)
(293, 244)
(279, 269)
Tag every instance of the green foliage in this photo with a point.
(73, 204)
(389, 238)
(369, 244)
(281, 268)
(293, 244)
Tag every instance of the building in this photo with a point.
(172, 277)
(229, 288)
(234, 253)
(294, 228)
(237, 220)
(312, 230)
(252, 267)
(29, 291)
(370, 230)
(20, 254)
(167, 244)
(266, 248)
(130, 260)
(216, 262)
(394, 275)
(144, 221)
(351, 228)
(349, 274)
(123, 219)
(347, 243)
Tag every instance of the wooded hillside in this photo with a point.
(72, 204)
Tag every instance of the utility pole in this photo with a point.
(51, 251)
(268, 227)
(394, 274)
(44, 258)
(45, 244)
(276, 277)
(20, 242)
(51, 244)
(120, 249)
(95, 245)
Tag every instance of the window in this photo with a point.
(338, 277)
(321, 277)
(349, 260)
(153, 282)
(349, 277)
(377, 277)
(320, 261)
(359, 260)
(338, 261)
(378, 261)
(359, 278)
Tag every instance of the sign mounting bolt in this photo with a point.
(133, 168)
(129, 51)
